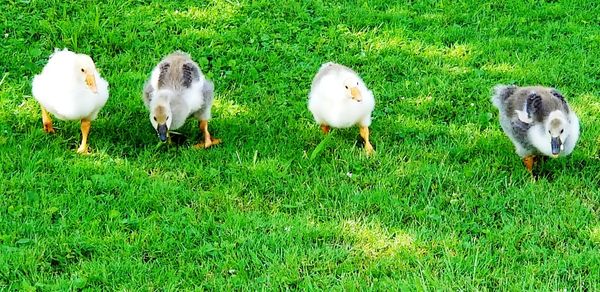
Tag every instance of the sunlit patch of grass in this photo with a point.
(422, 100)
(374, 241)
(29, 110)
(458, 51)
(229, 109)
(216, 12)
(399, 41)
(457, 70)
(595, 235)
(502, 68)
(586, 105)
(199, 33)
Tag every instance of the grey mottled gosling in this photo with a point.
(176, 90)
(538, 120)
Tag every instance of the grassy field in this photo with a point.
(444, 204)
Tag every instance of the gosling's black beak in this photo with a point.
(162, 132)
(555, 143)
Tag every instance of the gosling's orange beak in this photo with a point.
(355, 94)
(90, 80)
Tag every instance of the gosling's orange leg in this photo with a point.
(529, 161)
(325, 129)
(85, 131)
(208, 140)
(47, 121)
(364, 133)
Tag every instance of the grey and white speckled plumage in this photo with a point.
(178, 82)
(527, 113)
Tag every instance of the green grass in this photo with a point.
(445, 203)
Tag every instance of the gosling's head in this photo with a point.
(351, 86)
(556, 126)
(160, 117)
(86, 71)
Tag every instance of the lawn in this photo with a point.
(444, 204)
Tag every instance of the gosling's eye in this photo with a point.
(82, 70)
(155, 119)
(356, 83)
(346, 86)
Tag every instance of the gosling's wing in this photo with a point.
(190, 73)
(541, 101)
(164, 78)
(533, 107)
(525, 104)
(208, 92)
(556, 94)
(147, 93)
(178, 71)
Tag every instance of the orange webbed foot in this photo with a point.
(48, 128)
(47, 121)
(83, 150)
(529, 161)
(208, 143)
(369, 149)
